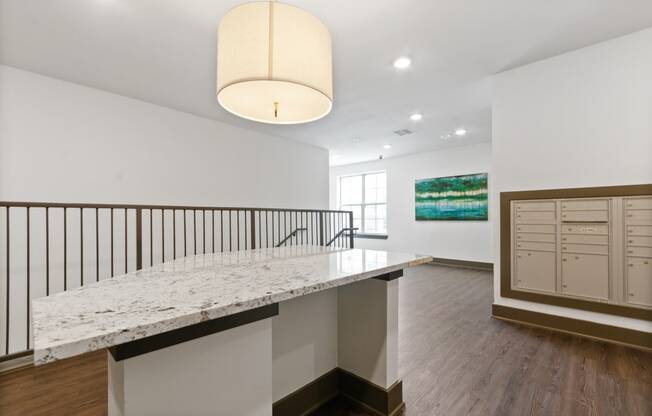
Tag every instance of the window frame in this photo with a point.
(362, 232)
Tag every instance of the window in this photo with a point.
(366, 195)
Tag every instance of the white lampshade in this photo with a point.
(274, 64)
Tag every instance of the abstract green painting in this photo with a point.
(452, 198)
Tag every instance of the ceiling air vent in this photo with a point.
(403, 132)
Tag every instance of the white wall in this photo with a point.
(68, 143)
(579, 119)
(462, 240)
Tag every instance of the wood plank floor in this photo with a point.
(76, 386)
(454, 360)
(457, 360)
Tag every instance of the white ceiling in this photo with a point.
(163, 52)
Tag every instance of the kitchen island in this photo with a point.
(243, 332)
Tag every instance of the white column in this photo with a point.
(304, 341)
(368, 330)
(227, 373)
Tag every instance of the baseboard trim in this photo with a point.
(383, 401)
(16, 362)
(479, 265)
(601, 332)
(341, 384)
(309, 397)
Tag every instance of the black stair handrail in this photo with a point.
(292, 234)
(352, 229)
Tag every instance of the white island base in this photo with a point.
(274, 331)
(246, 369)
(227, 373)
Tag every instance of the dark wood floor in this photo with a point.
(456, 360)
(76, 386)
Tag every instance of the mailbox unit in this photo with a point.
(638, 251)
(591, 249)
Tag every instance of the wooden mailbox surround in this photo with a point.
(506, 288)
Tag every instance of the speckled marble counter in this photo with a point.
(193, 289)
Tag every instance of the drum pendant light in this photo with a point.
(274, 64)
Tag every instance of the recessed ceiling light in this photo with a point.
(387, 146)
(416, 117)
(460, 132)
(402, 62)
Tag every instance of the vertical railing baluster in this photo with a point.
(230, 239)
(245, 235)
(174, 234)
(321, 228)
(273, 242)
(81, 246)
(8, 284)
(47, 251)
(330, 227)
(97, 245)
(237, 227)
(203, 227)
(162, 235)
(185, 253)
(139, 237)
(252, 220)
(65, 249)
(222, 231)
(279, 226)
(151, 239)
(127, 240)
(194, 233)
(269, 225)
(351, 230)
(28, 281)
(213, 230)
(111, 242)
(260, 230)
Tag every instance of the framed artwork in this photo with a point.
(452, 198)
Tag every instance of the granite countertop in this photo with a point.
(193, 289)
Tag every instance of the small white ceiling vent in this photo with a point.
(403, 132)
